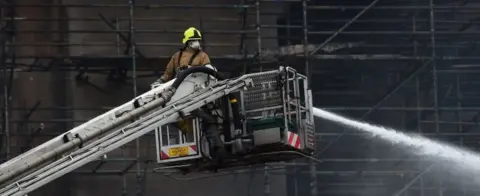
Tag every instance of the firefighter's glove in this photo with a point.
(156, 84)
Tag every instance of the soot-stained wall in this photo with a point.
(60, 89)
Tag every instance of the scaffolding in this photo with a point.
(408, 64)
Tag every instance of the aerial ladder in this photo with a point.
(202, 122)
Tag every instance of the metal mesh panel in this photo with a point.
(264, 93)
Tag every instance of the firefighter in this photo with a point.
(190, 55)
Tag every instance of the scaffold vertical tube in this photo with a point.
(259, 33)
(434, 65)
(313, 167)
(134, 81)
(6, 130)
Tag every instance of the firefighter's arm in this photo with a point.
(168, 74)
(205, 60)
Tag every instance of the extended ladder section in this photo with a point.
(104, 137)
(202, 122)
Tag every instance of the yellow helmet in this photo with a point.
(191, 34)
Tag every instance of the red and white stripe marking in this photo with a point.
(293, 140)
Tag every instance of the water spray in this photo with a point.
(419, 144)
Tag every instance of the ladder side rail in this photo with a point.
(25, 167)
(58, 141)
(74, 163)
(55, 142)
(63, 159)
(137, 132)
(66, 158)
(170, 106)
(167, 108)
(79, 153)
(90, 133)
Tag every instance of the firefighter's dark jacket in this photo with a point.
(183, 58)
